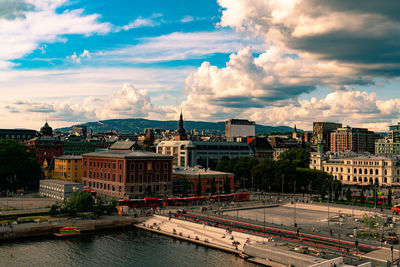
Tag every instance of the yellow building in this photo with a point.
(68, 168)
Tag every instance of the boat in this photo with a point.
(68, 232)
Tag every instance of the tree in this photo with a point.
(213, 187)
(79, 202)
(323, 191)
(19, 167)
(348, 193)
(389, 197)
(299, 156)
(362, 195)
(227, 186)
(111, 206)
(198, 187)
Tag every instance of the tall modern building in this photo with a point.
(358, 140)
(239, 128)
(322, 133)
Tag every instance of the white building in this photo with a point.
(361, 170)
(239, 128)
(206, 154)
(58, 189)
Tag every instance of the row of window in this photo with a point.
(104, 186)
(360, 171)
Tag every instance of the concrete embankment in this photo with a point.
(45, 228)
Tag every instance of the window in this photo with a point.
(132, 189)
(157, 177)
(132, 166)
(120, 178)
(132, 178)
(141, 166)
(113, 177)
(140, 188)
(157, 166)
(376, 171)
(120, 166)
(113, 166)
(371, 171)
(165, 166)
(140, 178)
(365, 179)
(365, 171)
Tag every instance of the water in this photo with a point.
(118, 248)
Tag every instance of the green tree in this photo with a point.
(348, 193)
(299, 156)
(264, 175)
(389, 197)
(19, 168)
(323, 191)
(198, 192)
(362, 195)
(79, 202)
(111, 206)
(227, 186)
(213, 187)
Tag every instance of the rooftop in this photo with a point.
(125, 154)
(69, 157)
(59, 182)
(196, 171)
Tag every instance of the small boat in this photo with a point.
(68, 232)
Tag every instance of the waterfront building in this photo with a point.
(68, 168)
(123, 173)
(207, 154)
(58, 189)
(191, 176)
(322, 133)
(239, 128)
(358, 140)
(359, 169)
(20, 135)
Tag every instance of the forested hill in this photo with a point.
(138, 126)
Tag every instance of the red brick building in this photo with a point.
(122, 173)
(358, 140)
(46, 147)
(180, 175)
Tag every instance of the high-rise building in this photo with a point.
(239, 128)
(322, 133)
(358, 140)
(391, 144)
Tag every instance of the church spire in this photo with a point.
(181, 131)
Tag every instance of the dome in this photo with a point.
(46, 129)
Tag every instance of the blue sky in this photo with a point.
(76, 61)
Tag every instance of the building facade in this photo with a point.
(360, 170)
(206, 154)
(239, 128)
(391, 144)
(322, 133)
(192, 175)
(68, 168)
(358, 140)
(58, 189)
(20, 135)
(123, 173)
(46, 147)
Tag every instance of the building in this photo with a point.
(191, 176)
(322, 133)
(391, 144)
(181, 135)
(294, 133)
(78, 146)
(261, 148)
(123, 173)
(68, 168)
(206, 154)
(358, 140)
(239, 128)
(307, 137)
(46, 146)
(79, 130)
(58, 189)
(359, 170)
(280, 145)
(20, 135)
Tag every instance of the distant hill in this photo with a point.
(138, 126)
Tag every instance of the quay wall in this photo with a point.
(45, 228)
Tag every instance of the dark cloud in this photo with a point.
(12, 9)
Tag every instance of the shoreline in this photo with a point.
(30, 230)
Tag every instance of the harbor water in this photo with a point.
(128, 247)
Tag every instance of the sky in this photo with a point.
(277, 62)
